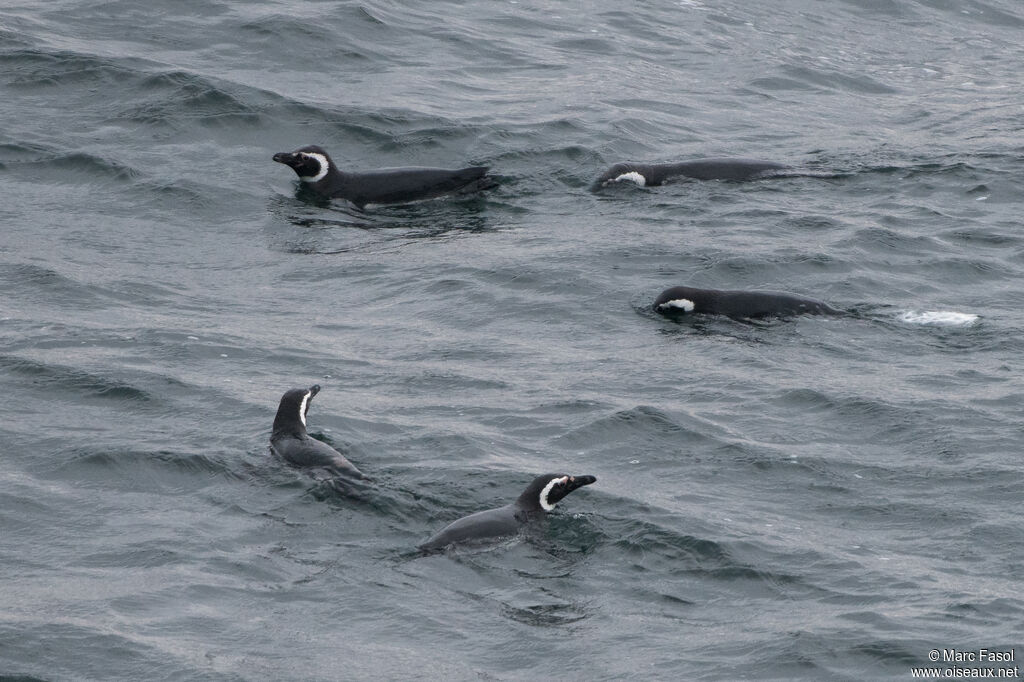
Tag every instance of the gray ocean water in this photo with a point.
(790, 499)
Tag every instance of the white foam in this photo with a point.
(302, 407)
(544, 504)
(683, 303)
(631, 176)
(324, 167)
(945, 318)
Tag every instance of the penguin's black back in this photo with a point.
(735, 170)
(398, 185)
(484, 525)
(740, 304)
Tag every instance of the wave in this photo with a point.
(74, 165)
(86, 384)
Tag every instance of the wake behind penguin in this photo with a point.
(938, 318)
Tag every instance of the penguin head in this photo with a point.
(676, 302)
(311, 163)
(545, 491)
(291, 413)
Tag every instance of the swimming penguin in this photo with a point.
(679, 301)
(290, 440)
(538, 499)
(653, 174)
(317, 171)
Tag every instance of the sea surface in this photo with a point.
(806, 499)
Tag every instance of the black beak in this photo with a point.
(284, 157)
(579, 482)
(314, 389)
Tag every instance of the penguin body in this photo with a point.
(318, 171)
(536, 501)
(290, 441)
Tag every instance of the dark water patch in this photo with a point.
(110, 18)
(22, 152)
(60, 378)
(145, 471)
(807, 78)
(900, 515)
(642, 426)
(876, 420)
(382, 495)
(656, 549)
(126, 655)
(314, 40)
(724, 271)
(179, 96)
(175, 194)
(544, 615)
(872, 238)
(36, 68)
(803, 654)
(643, 539)
(528, 152)
(985, 613)
(383, 129)
(41, 284)
(334, 228)
(962, 270)
(985, 237)
(147, 293)
(600, 46)
(570, 535)
(153, 554)
(780, 84)
(354, 126)
(984, 12)
(814, 223)
(873, 8)
(78, 168)
(949, 167)
(16, 37)
(22, 505)
(573, 406)
(449, 381)
(804, 400)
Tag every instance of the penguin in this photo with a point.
(537, 500)
(679, 301)
(318, 171)
(654, 174)
(290, 441)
